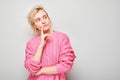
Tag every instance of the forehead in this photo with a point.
(40, 13)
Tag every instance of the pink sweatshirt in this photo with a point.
(57, 51)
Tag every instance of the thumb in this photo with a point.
(46, 36)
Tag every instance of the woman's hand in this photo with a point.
(38, 73)
(43, 38)
(47, 70)
(37, 56)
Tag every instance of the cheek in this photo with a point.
(48, 21)
(38, 24)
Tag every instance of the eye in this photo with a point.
(45, 17)
(37, 20)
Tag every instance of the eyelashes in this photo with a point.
(39, 19)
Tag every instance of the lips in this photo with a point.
(45, 25)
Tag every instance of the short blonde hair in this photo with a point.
(31, 15)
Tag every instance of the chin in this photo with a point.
(46, 30)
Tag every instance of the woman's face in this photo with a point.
(42, 20)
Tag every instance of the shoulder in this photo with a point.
(61, 34)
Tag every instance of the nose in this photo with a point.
(43, 21)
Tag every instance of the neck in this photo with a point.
(48, 32)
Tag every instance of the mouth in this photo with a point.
(45, 25)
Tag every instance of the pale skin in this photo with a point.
(43, 23)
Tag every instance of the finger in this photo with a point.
(42, 31)
(36, 74)
(33, 74)
(47, 35)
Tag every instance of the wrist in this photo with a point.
(40, 47)
(41, 71)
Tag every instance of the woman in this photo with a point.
(49, 54)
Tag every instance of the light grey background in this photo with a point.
(92, 25)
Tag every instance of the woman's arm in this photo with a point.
(33, 58)
(31, 65)
(37, 56)
(47, 70)
(66, 59)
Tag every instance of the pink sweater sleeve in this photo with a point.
(67, 56)
(30, 65)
